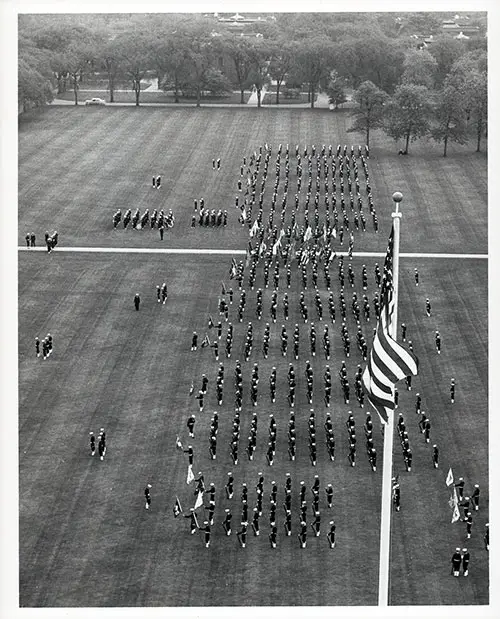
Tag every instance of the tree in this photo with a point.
(216, 83)
(419, 68)
(282, 56)
(34, 75)
(72, 46)
(408, 113)
(449, 114)
(133, 48)
(336, 90)
(446, 50)
(476, 95)
(369, 114)
(110, 58)
(33, 87)
(259, 58)
(375, 58)
(238, 49)
(168, 46)
(314, 61)
(469, 76)
(201, 52)
(422, 23)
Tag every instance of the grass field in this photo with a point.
(83, 526)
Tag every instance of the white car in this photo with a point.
(95, 101)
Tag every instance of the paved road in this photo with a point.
(320, 103)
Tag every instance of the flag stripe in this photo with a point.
(388, 361)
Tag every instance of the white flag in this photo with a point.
(449, 478)
(456, 514)
(308, 233)
(255, 228)
(190, 475)
(199, 500)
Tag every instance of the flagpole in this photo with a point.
(386, 507)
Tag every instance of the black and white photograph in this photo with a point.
(248, 311)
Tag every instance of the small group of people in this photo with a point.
(160, 219)
(30, 239)
(51, 240)
(101, 444)
(207, 217)
(46, 345)
(161, 296)
(460, 559)
(161, 293)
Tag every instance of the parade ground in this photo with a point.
(85, 537)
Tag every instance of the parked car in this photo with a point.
(95, 101)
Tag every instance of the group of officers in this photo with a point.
(46, 345)
(251, 517)
(160, 219)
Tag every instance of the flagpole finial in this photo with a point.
(397, 197)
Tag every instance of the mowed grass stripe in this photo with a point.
(247, 585)
(145, 403)
(78, 166)
(186, 140)
(459, 308)
(127, 556)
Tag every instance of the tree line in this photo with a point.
(440, 91)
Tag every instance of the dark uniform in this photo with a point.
(102, 448)
(242, 535)
(465, 561)
(193, 522)
(460, 488)
(435, 456)
(208, 532)
(227, 521)
(456, 562)
(189, 451)
(92, 444)
(438, 342)
(230, 486)
(37, 346)
(272, 536)
(396, 497)
(147, 494)
(303, 534)
(137, 301)
(33, 240)
(331, 534)
(475, 497)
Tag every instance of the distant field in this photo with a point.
(83, 526)
(74, 179)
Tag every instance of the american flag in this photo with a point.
(388, 362)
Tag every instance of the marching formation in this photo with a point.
(293, 319)
(287, 275)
